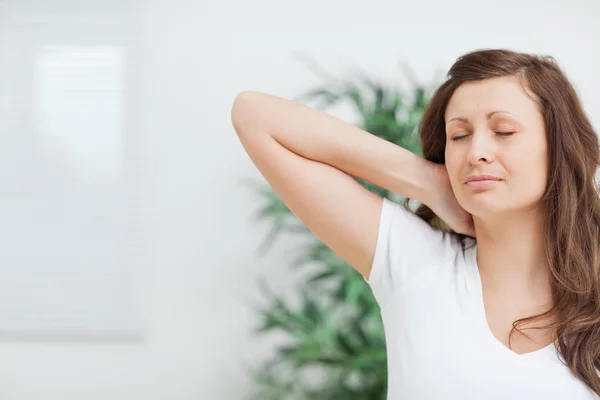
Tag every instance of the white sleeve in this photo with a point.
(406, 247)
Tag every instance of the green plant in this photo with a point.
(336, 347)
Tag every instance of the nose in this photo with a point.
(481, 149)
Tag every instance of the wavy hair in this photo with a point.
(570, 203)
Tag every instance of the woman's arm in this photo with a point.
(307, 156)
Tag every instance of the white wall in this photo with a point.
(188, 60)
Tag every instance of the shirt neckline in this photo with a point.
(482, 323)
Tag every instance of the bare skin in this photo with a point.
(308, 158)
(511, 250)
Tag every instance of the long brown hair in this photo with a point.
(571, 202)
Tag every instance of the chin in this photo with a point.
(480, 205)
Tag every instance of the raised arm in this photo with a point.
(307, 157)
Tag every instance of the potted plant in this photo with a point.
(336, 346)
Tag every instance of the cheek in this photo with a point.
(455, 172)
(449, 157)
(454, 163)
(529, 153)
(528, 170)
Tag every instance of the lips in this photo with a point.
(483, 177)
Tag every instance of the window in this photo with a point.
(71, 243)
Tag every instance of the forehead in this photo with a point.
(477, 98)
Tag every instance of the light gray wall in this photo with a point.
(195, 259)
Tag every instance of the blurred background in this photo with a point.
(132, 262)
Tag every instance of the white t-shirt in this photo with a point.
(439, 345)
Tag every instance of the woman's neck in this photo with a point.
(511, 255)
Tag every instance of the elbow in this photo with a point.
(242, 110)
(241, 100)
(245, 113)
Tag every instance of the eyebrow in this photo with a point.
(488, 116)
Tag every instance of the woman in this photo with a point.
(490, 290)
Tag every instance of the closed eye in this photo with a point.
(498, 133)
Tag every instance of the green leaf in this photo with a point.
(336, 327)
(325, 275)
(345, 344)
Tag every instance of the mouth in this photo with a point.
(482, 183)
(481, 177)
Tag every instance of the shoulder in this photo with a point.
(410, 249)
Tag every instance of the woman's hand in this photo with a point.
(445, 205)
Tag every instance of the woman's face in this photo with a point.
(493, 127)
